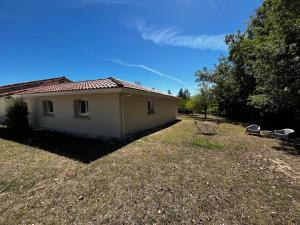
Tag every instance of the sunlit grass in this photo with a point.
(204, 143)
(173, 176)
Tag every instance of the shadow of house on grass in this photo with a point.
(84, 150)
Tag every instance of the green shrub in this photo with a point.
(213, 109)
(183, 106)
(17, 117)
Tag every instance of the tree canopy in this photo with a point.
(184, 94)
(261, 74)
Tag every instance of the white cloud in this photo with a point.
(171, 36)
(147, 68)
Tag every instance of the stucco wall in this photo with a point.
(137, 119)
(4, 104)
(104, 113)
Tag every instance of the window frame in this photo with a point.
(87, 112)
(150, 108)
(49, 106)
(46, 108)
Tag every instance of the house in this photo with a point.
(7, 92)
(106, 107)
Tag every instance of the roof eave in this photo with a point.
(149, 93)
(96, 91)
(76, 92)
(36, 81)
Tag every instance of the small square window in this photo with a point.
(48, 107)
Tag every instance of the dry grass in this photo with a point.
(174, 176)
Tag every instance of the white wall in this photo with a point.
(137, 119)
(4, 104)
(104, 113)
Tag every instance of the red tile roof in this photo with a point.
(105, 83)
(11, 89)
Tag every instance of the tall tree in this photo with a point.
(261, 74)
(275, 32)
(184, 94)
(204, 100)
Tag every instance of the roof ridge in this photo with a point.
(103, 83)
(90, 80)
(71, 83)
(117, 81)
(34, 81)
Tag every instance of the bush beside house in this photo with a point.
(17, 117)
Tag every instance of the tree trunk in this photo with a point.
(205, 114)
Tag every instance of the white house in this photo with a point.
(8, 92)
(98, 108)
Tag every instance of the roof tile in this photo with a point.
(105, 83)
(12, 89)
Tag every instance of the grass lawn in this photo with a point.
(173, 176)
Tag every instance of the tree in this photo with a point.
(199, 103)
(224, 87)
(275, 32)
(185, 96)
(180, 93)
(204, 100)
(190, 105)
(193, 104)
(261, 74)
(169, 92)
(182, 106)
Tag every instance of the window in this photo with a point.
(48, 108)
(81, 108)
(150, 106)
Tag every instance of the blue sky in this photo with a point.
(160, 43)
